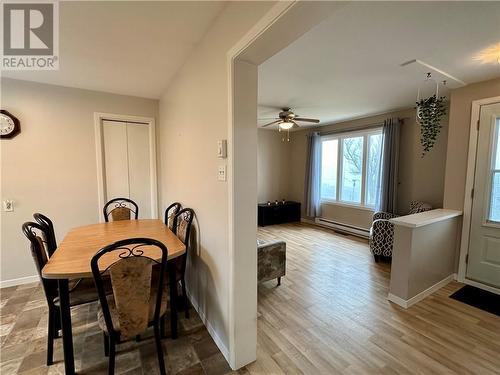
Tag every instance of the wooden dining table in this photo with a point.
(72, 258)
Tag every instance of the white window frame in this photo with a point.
(340, 138)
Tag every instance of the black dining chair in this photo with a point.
(182, 228)
(81, 292)
(170, 213)
(51, 240)
(120, 209)
(137, 301)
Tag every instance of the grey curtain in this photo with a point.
(313, 170)
(390, 157)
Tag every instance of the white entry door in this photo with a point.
(483, 264)
(127, 165)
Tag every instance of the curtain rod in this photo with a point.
(354, 128)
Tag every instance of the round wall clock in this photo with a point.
(9, 125)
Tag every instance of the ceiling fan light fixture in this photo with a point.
(285, 125)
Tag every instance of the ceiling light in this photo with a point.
(286, 125)
(489, 55)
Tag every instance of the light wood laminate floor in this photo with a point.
(331, 316)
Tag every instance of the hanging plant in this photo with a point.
(430, 111)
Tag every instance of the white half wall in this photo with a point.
(50, 167)
(423, 255)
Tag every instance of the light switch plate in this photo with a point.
(222, 148)
(221, 175)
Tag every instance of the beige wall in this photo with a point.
(273, 166)
(50, 167)
(193, 116)
(419, 178)
(458, 138)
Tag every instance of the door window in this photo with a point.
(494, 211)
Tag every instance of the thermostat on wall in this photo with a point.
(222, 148)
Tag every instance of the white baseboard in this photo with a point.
(19, 281)
(397, 300)
(420, 296)
(220, 344)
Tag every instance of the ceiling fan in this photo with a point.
(287, 120)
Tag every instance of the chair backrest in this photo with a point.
(38, 236)
(170, 213)
(130, 271)
(120, 209)
(51, 240)
(182, 229)
(418, 206)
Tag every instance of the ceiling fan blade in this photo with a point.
(268, 118)
(295, 125)
(271, 123)
(316, 121)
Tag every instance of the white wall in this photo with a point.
(50, 167)
(193, 116)
(273, 165)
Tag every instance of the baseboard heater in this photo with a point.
(344, 228)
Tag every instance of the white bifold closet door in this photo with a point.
(127, 163)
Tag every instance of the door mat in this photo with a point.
(478, 298)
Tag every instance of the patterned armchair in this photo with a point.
(271, 260)
(382, 231)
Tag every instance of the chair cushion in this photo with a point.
(120, 213)
(114, 312)
(417, 207)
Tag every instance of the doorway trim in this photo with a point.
(242, 348)
(469, 185)
(150, 121)
(267, 37)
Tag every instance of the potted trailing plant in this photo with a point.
(430, 112)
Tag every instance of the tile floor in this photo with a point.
(23, 328)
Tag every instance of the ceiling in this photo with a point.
(130, 48)
(349, 66)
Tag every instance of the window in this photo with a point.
(350, 168)
(329, 155)
(494, 214)
(373, 168)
